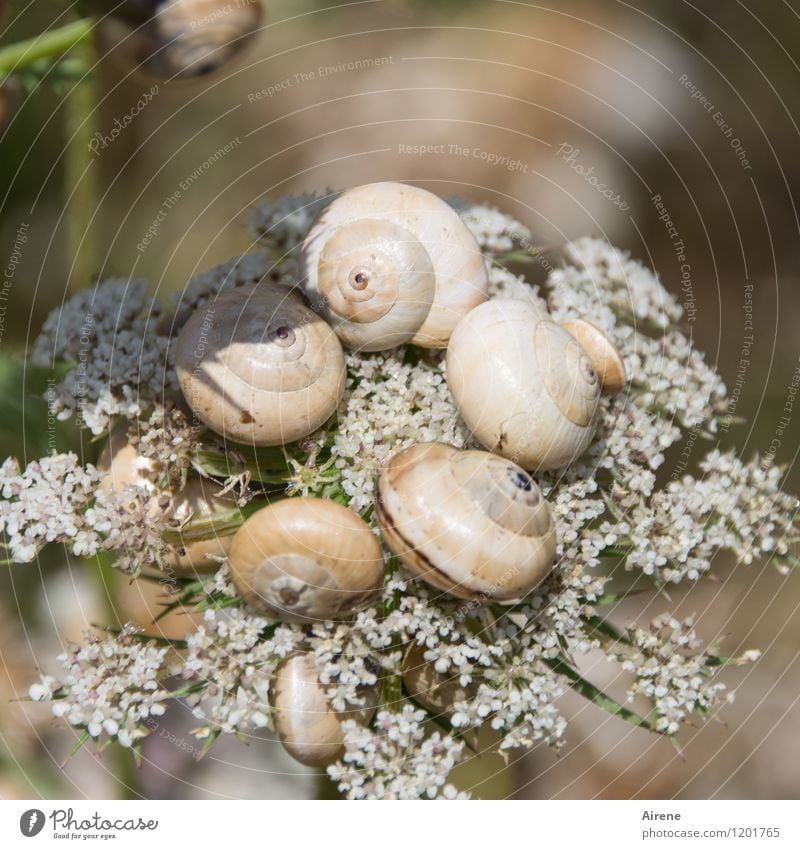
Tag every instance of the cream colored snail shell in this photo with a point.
(257, 366)
(199, 498)
(175, 39)
(306, 724)
(123, 465)
(387, 263)
(524, 386)
(468, 522)
(603, 354)
(306, 559)
(437, 692)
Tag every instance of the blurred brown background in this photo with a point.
(696, 103)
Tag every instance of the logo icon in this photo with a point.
(31, 822)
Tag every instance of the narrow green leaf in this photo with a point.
(597, 696)
(79, 743)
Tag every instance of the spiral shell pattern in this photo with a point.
(469, 523)
(306, 559)
(397, 238)
(257, 366)
(523, 385)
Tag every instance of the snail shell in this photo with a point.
(437, 692)
(199, 498)
(306, 724)
(176, 39)
(306, 559)
(387, 263)
(524, 386)
(124, 466)
(467, 522)
(257, 366)
(603, 354)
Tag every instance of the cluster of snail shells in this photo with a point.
(387, 264)
(384, 264)
(527, 388)
(125, 468)
(257, 366)
(472, 524)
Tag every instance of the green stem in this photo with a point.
(16, 57)
(79, 177)
(268, 466)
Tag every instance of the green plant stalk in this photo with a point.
(268, 466)
(17, 57)
(79, 176)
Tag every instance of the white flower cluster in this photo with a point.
(396, 759)
(601, 282)
(111, 685)
(735, 506)
(57, 499)
(118, 364)
(494, 231)
(46, 503)
(232, 661)
(504, 284)
(391, 402)
(168, 438)
(671, 671)
(285, 222)
(511, 664)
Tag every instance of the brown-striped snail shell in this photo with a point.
(257, 366)
(175, 39)
(388, 263)
(436, 691)
(524, 386)
(468, 522)
(306, 559)
(603, 354)
(200, 498)
(306, 724)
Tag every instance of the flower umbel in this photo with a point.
(511, 663)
